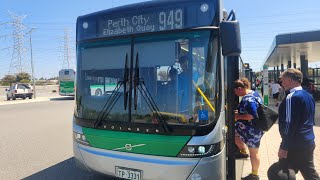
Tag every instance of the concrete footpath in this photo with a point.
(270, 145)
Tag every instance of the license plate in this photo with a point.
(127, 173)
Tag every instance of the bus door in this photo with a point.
(232, 72)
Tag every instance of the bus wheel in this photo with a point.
(8, 99)
(30, 97)
(98, 92)
(13, 97)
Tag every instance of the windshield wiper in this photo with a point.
(114, 97)
(126, 79)
(109, 104)
(136, 82)
(139, 84)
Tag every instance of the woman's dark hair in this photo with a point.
(243, 82)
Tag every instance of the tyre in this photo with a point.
(30, 97)
(24, 97)
(98, 92)
(13, 97)
(8, 99)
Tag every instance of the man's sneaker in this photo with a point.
(251, 177)
(240, 155)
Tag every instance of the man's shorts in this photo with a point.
(276, 95)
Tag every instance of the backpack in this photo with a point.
(266, 117)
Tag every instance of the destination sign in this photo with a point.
(141, 23)
(151, 16)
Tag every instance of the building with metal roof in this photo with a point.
(295, 50)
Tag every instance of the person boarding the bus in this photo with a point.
(246, 133)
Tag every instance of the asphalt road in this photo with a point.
(36, 141)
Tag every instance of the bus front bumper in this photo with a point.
(66, 94)
(152, 167)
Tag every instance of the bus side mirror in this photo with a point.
(230, 38)
(6, 89)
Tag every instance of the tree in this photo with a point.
(23, 77)
(8, 79)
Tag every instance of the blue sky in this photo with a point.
(260, 22)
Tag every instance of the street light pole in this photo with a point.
(32, 67)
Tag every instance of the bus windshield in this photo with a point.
(134, 79)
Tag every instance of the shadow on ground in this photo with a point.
(65, 170)
(18, 99)
(68, 170)
(66, 98)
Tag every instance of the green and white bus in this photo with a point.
(100, 89)
(67, 82)
(150, 90)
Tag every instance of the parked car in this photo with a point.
(19, 91)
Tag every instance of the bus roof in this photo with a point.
(150, 16)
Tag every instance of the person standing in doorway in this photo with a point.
(296, 121)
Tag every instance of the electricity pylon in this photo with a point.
(67, 51)
(19, 52)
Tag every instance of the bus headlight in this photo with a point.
(195, 151)
(201, 149)
(80, 138)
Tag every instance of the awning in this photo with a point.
(289, 47)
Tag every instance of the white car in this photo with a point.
(19, 91)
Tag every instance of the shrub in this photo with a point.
(25, 81)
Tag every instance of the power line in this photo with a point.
(59, 23)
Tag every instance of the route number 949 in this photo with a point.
(172, 19)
